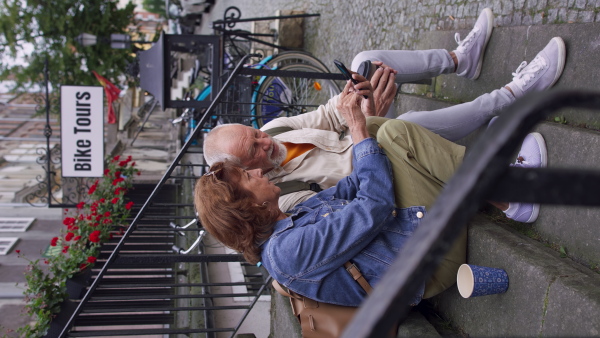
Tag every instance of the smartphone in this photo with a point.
(346, 73)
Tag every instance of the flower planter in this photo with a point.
(77, 285)
(57, 324)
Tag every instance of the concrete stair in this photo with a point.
(554, 263)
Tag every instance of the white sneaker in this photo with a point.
(470, 50)
(533, 154)
(542, 72)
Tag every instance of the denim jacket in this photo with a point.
(354, 221)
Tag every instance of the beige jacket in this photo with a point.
(326, 164)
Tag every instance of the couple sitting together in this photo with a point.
(379, 175)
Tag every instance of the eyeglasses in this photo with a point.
(216, 171)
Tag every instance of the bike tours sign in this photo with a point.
(82, 131)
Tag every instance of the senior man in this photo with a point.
(313, 148)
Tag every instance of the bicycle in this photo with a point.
(273, 96)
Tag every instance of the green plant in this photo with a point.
(78, 244)
(560, 119)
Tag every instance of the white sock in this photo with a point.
(512, 208)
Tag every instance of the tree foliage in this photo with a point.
(154, 6)
(49, 28)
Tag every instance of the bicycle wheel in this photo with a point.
(295, 57)
(277, 96)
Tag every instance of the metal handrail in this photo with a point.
(484, 175)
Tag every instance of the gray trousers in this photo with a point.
(452, 123)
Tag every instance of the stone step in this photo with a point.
(547, 295)
(575, 229)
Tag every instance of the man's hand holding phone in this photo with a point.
(361, 86)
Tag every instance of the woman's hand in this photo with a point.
(349, 105)
(364, 88)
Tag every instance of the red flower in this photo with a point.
(132, 164)
(128, 158)
(118, 190)
(107, 214)
(95, 224)
(106, 171)
(91, 259)
(129, 205)
(77, 238)
(54, 241)
(102, 200)
(82, 266)
(80, 217)
(46, 262)
(95, 236)
(107, 221)
(69, 236)
(65, 249)
(139, 173)
(98, 218)
(117, 174)
(115, 200)
(92, 189)
(122, 163)
(89, 217)
(116, 158)
(18, 251)
(69, 221)
(118, 180)
(80, 205)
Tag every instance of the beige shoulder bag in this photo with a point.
(322, 320)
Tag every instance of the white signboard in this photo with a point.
(82, 131)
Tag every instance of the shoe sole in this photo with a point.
(562, 51)
(543, 150)
(490, 27)
(535, 212)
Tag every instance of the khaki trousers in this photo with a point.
(422, 163)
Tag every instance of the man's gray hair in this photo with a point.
(211, 149)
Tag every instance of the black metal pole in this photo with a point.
(48, 134)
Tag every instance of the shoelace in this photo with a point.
(525, 73)
(462, 45)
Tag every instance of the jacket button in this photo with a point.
(394, 213)
(419, 214)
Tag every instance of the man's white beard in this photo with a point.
(282, 153)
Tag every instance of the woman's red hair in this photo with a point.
(230, 213)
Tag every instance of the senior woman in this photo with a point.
(366, 218)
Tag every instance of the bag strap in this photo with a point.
(358, 276)
(350, 267)
(294, 186)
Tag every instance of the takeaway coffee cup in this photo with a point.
(473, 281)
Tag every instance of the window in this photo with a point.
(6, 243)
(15, 224)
